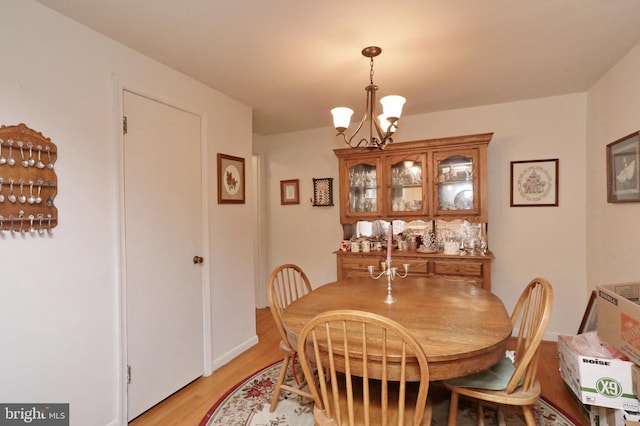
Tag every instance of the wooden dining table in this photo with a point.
(462, 328)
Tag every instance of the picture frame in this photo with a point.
(623, 182)
(534, 183)
(231, 179)
(590, 318)
(289, 192)
(322, 192)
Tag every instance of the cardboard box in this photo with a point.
(635, 380)
(605, 382)
(602, 416)
(619, 317)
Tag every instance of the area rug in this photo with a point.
(247, 404)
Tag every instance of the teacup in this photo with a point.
(451, 247)
(355, 246)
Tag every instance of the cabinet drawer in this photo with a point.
(360, 263)
(416, 266)
(472, 269)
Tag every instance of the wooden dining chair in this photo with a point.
(512, 384)
(353, 384)
(287, 284)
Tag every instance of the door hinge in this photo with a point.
(128, 374)
(124, 125)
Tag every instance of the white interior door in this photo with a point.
(162, 175)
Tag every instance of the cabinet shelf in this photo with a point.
(409, 185)
(454, 182)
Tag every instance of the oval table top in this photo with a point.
(462, 328)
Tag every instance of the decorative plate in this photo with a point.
(464, 200)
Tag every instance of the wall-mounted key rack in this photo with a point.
(28, 181)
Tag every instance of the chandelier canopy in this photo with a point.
(380, 129)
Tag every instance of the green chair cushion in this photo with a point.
(495, 377)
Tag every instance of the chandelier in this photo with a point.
(380, 129)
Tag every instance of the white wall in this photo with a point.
(60, 306)
(300, 233)
(613, 230)
(527, 241)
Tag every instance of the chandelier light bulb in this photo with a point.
(386, 124)
(341, 118)
(392, 106)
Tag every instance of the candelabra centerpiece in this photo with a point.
(390, 273)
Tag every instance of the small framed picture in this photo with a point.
(534, 183)
(623, 184)
(290, 192)
(231, 182)
(323, 192)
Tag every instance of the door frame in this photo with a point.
(119, 86)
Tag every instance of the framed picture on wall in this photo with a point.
(230, 179)
(323, 192)
(534, 183)
(623, 183)
(289, 192)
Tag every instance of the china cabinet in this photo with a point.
(443, 178)
(434, 180)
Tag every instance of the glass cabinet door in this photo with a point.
(407, 176)
(364, 188)
(457, 183)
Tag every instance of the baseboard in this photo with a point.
(228, 356)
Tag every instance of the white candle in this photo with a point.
(389, 242)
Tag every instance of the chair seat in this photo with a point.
(285, 348)
(495, 377)
(518, 397)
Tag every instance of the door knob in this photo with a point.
(197, 260)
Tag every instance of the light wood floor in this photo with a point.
(189, 405)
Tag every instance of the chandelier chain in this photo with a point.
(371, 72)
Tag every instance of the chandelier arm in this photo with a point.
(348, 141)
(364, 118)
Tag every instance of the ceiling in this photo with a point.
(293, 60)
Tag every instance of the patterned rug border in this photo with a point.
(240, 383)
(224, 397)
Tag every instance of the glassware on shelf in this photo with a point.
(455, 183)
(471, 237)
(362, 188)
